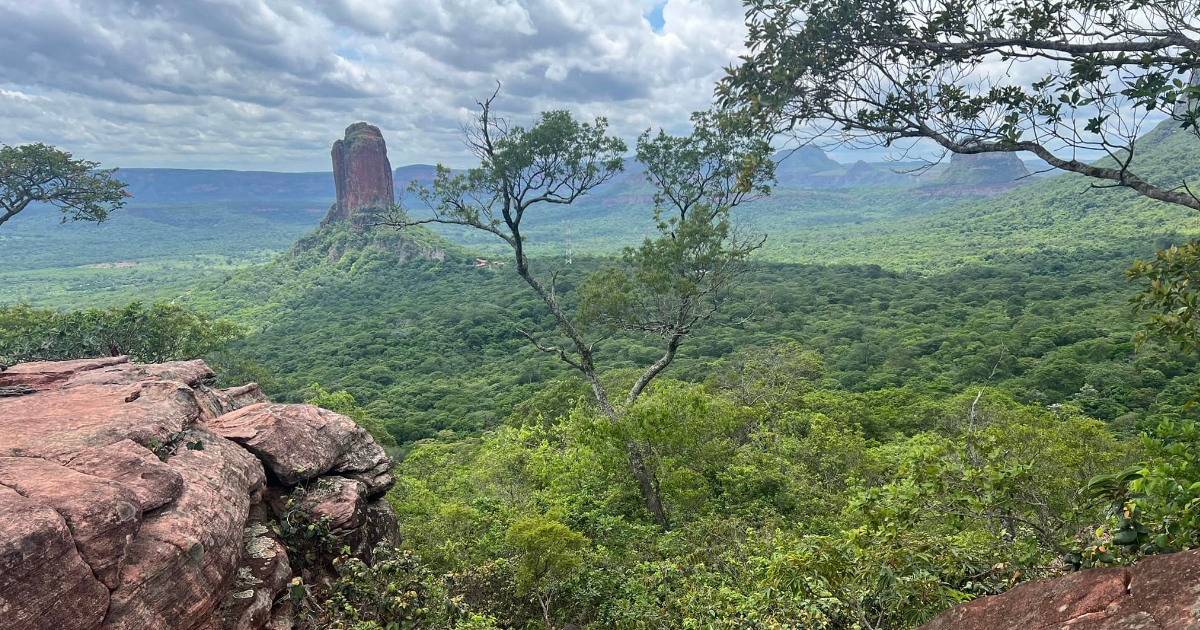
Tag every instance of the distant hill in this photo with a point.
(422, 173)
(198, 185)
(984, 169)
(186, 185)
(1063, 213)
(810, 168)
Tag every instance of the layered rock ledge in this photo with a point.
(139, 497)
(1159, 593)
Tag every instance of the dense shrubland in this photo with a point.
(432, 346)
(850, 446)
(147, 334)
(784, 513)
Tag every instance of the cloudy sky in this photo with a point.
(270, 84)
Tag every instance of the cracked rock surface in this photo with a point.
(132, 496)
(1159, 593)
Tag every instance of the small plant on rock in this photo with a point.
(395, 592)
(306, 536)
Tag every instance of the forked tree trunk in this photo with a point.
(637, 462)
(545, 604)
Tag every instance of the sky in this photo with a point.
(270, 84)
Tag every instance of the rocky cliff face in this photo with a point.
(1159, 593)
(983, 170)
(138, 497)
(361, 172)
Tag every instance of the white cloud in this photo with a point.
(271, 83)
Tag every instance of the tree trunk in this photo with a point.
(545, 603)
(637, 465)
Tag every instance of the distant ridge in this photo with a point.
(161, 185)
(185, 185)
(807, 168)
(810, 168)
(1061, 213)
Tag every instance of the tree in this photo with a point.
(776, 376)
(665, 287)
(881, 72)
(1089, 77)
(548, 553)
(39, 173)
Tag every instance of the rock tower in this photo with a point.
(361, 172)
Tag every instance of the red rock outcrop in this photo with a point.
(123, 504)
(361, 172)
(301, 442)
(1159, 593)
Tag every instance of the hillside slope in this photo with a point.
(1062, 214)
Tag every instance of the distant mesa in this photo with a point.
(802, 167)
(810, 168)
(863, 175)
(361, 173)
(983, 170)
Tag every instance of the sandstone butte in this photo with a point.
(139, 497)
(362, 174)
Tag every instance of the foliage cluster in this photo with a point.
(41, 174)
(148, 334)
(307, 537)
(880, 72)
(394, 591)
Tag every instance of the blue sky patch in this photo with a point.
(655, 16)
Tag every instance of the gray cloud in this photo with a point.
(270, 84)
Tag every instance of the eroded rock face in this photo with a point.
(123, 505)
(302, 442)
(102, 515)
(1159, 593)
(40, 569)
(361, 172)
